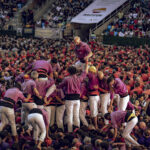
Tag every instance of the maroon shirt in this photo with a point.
(130, 106)
(93, 81)
(117, 118)
(15, 94)
(82, 50)
(119, 88)
(84, 90)
(43, 86)
(20, 78)
(28, 86)
(103, 84)
(41, 64)
(72, 84)
(59, 93)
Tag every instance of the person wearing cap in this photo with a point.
(93, 93)
(118, 118)
(104, 93)
(72, 87)
(116, 86)
(83, 52)
(29, 89)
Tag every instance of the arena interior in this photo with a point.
(74, 75)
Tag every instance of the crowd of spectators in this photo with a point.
(8, 8)
(130, 64)
(133, 23)
(38, 3)
(28, 18)
(28, 15)
(61, 12)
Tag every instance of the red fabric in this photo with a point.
(138, 89)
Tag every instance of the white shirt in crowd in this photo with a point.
(121, 34)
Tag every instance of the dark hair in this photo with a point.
(58, 80)
(17, 85)
(42, 58)
(81, 147)
(105, 145)
(106, 115)
(110, 79)
(137, 84)
(88, 147)
(54, 60)
(3, 134)
(72, 70)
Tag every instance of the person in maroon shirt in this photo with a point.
(7, 114)
(104, 93)
(93, 92)
(56, 108)
(83, 52)
(29, 89)
(43, 67)
(45, 89)
(119, 117)
(38, 119)
(71, 86)
(84, 102)
(56, 67)
(117, 86)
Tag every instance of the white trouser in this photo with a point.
(93, 102)
(37, 122)
(123, 103)
(51, 114)
(26, 107)
(128, 129)
(40, 106)
(7, 116)
(43, 79)
(80, 65)
(105, 100)
(83, 106)
(60, 116)
(72, 109)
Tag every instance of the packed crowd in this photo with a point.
(28, 18)
(129, 64)
(134, 23)
(38, 3)
(61, 12)
(8, 8)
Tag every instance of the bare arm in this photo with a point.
(115, 134)
(51, 75)
(50, 90)
(37, 93)
(88, 56)
(86, 67)
(59, 100)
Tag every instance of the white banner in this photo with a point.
(97, 11)
(51, 33)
